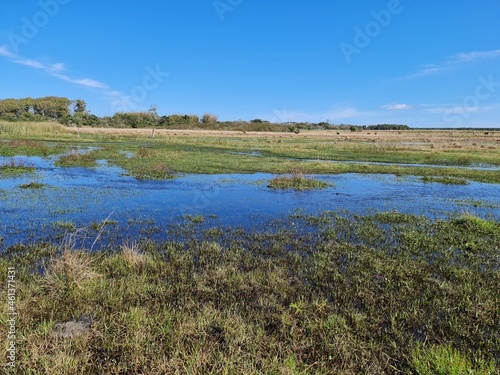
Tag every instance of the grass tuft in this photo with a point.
(133, 256)
(32, 185)
(15, 168)
(297, 182)
(76, 160)
(72, 270)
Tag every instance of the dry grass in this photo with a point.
(34, 129)
(72, 270)
(133, 255)
(447, 138)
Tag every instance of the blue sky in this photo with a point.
(421, 63)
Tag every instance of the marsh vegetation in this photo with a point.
(14, 168)
(315, 291)
(460, 154)
(311, 294)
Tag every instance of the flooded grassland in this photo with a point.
(222, 252)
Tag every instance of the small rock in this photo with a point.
(73, 328)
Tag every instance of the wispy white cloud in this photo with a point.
(51, 69)
(478, 55)
(31, 63)
(119, 101)
(89, 83)
(453, 62)
(4, 51)
(396, 106)
(57, 67)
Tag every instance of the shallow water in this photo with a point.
(82, 196)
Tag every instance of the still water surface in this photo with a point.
(81, 196)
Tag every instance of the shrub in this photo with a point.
(209, 118)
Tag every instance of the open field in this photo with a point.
(439, 136)
(324, 152)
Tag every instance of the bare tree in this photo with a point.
(152, 111)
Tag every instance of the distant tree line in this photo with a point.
(50, 108)
(75, 113)
(388, 127)
(39, 109)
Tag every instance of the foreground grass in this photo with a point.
(322, 294)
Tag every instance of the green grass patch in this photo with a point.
(77, 160)
(471, 222)
(107, 222)
(32, 185)
(23, 147)
(297, 182)
(157, 171)
(444, 180)
(64, 225)
(14, 168)
(444, 359)
(197, 219)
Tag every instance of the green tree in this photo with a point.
(52, 107)
(79, 106)
(10, 109)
